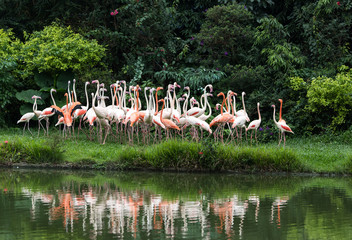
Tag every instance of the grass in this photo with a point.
(319, 154)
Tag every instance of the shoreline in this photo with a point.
(74, 167)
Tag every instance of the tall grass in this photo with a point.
(35, 151)
(313, 154)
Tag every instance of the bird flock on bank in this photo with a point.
(128, 117)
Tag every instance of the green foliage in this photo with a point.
(279, 53)
(9, 47)
(57, 49)
(331, 95)
(201, 76)
(191, 76)
(226, 35)
(325, 28)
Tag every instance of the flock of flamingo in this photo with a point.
(126, 113)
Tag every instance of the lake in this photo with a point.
(62, 204)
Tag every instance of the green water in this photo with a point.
(140, 205)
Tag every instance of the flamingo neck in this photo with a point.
(280, 114)
(244, 106)
(96, 93)
(162, 109)
(52, 97)
(85, 91)
(74, 90)
(156, 100)
(66, 103)
(222, 105)
(274, 115)
(68, 91)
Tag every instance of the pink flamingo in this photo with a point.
(282, 126)
(254, 125)
(167, 123)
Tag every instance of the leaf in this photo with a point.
(26, 96)
(43, 80)
(26, 108)
(63, 78)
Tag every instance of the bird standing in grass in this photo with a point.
(254, 125)
(282, 126)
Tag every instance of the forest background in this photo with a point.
(296, 50)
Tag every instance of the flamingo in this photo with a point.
(196, 111)
(48, 112)
(254, 125)
(282, 126)
(26, 118)
(80, 112)
(222, 117)
(135, 115)
(243, 111)
(37, 113)
(167, 123)
(67, 113)
(101, 113)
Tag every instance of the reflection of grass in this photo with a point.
(300, 154)
(182, 186)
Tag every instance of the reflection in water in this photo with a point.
(125, 207)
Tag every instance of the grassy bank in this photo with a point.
(312, 154)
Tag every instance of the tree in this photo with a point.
(58, 49)
(9, 49)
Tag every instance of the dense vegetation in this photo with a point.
(295, 50)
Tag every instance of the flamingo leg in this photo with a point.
(24, 127)
(251, 136)
(280, 134)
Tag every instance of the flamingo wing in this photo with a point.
(58, 110)
(286, 128)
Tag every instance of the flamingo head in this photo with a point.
(273, 106)
(221, 94)
(74, 80)
(35, 97)
(159, 88)
(53, 90)
(87, 83)
(161, 100)
(187, 88)
(280, 100)
(95, 81)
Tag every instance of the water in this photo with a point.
(138, 205)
